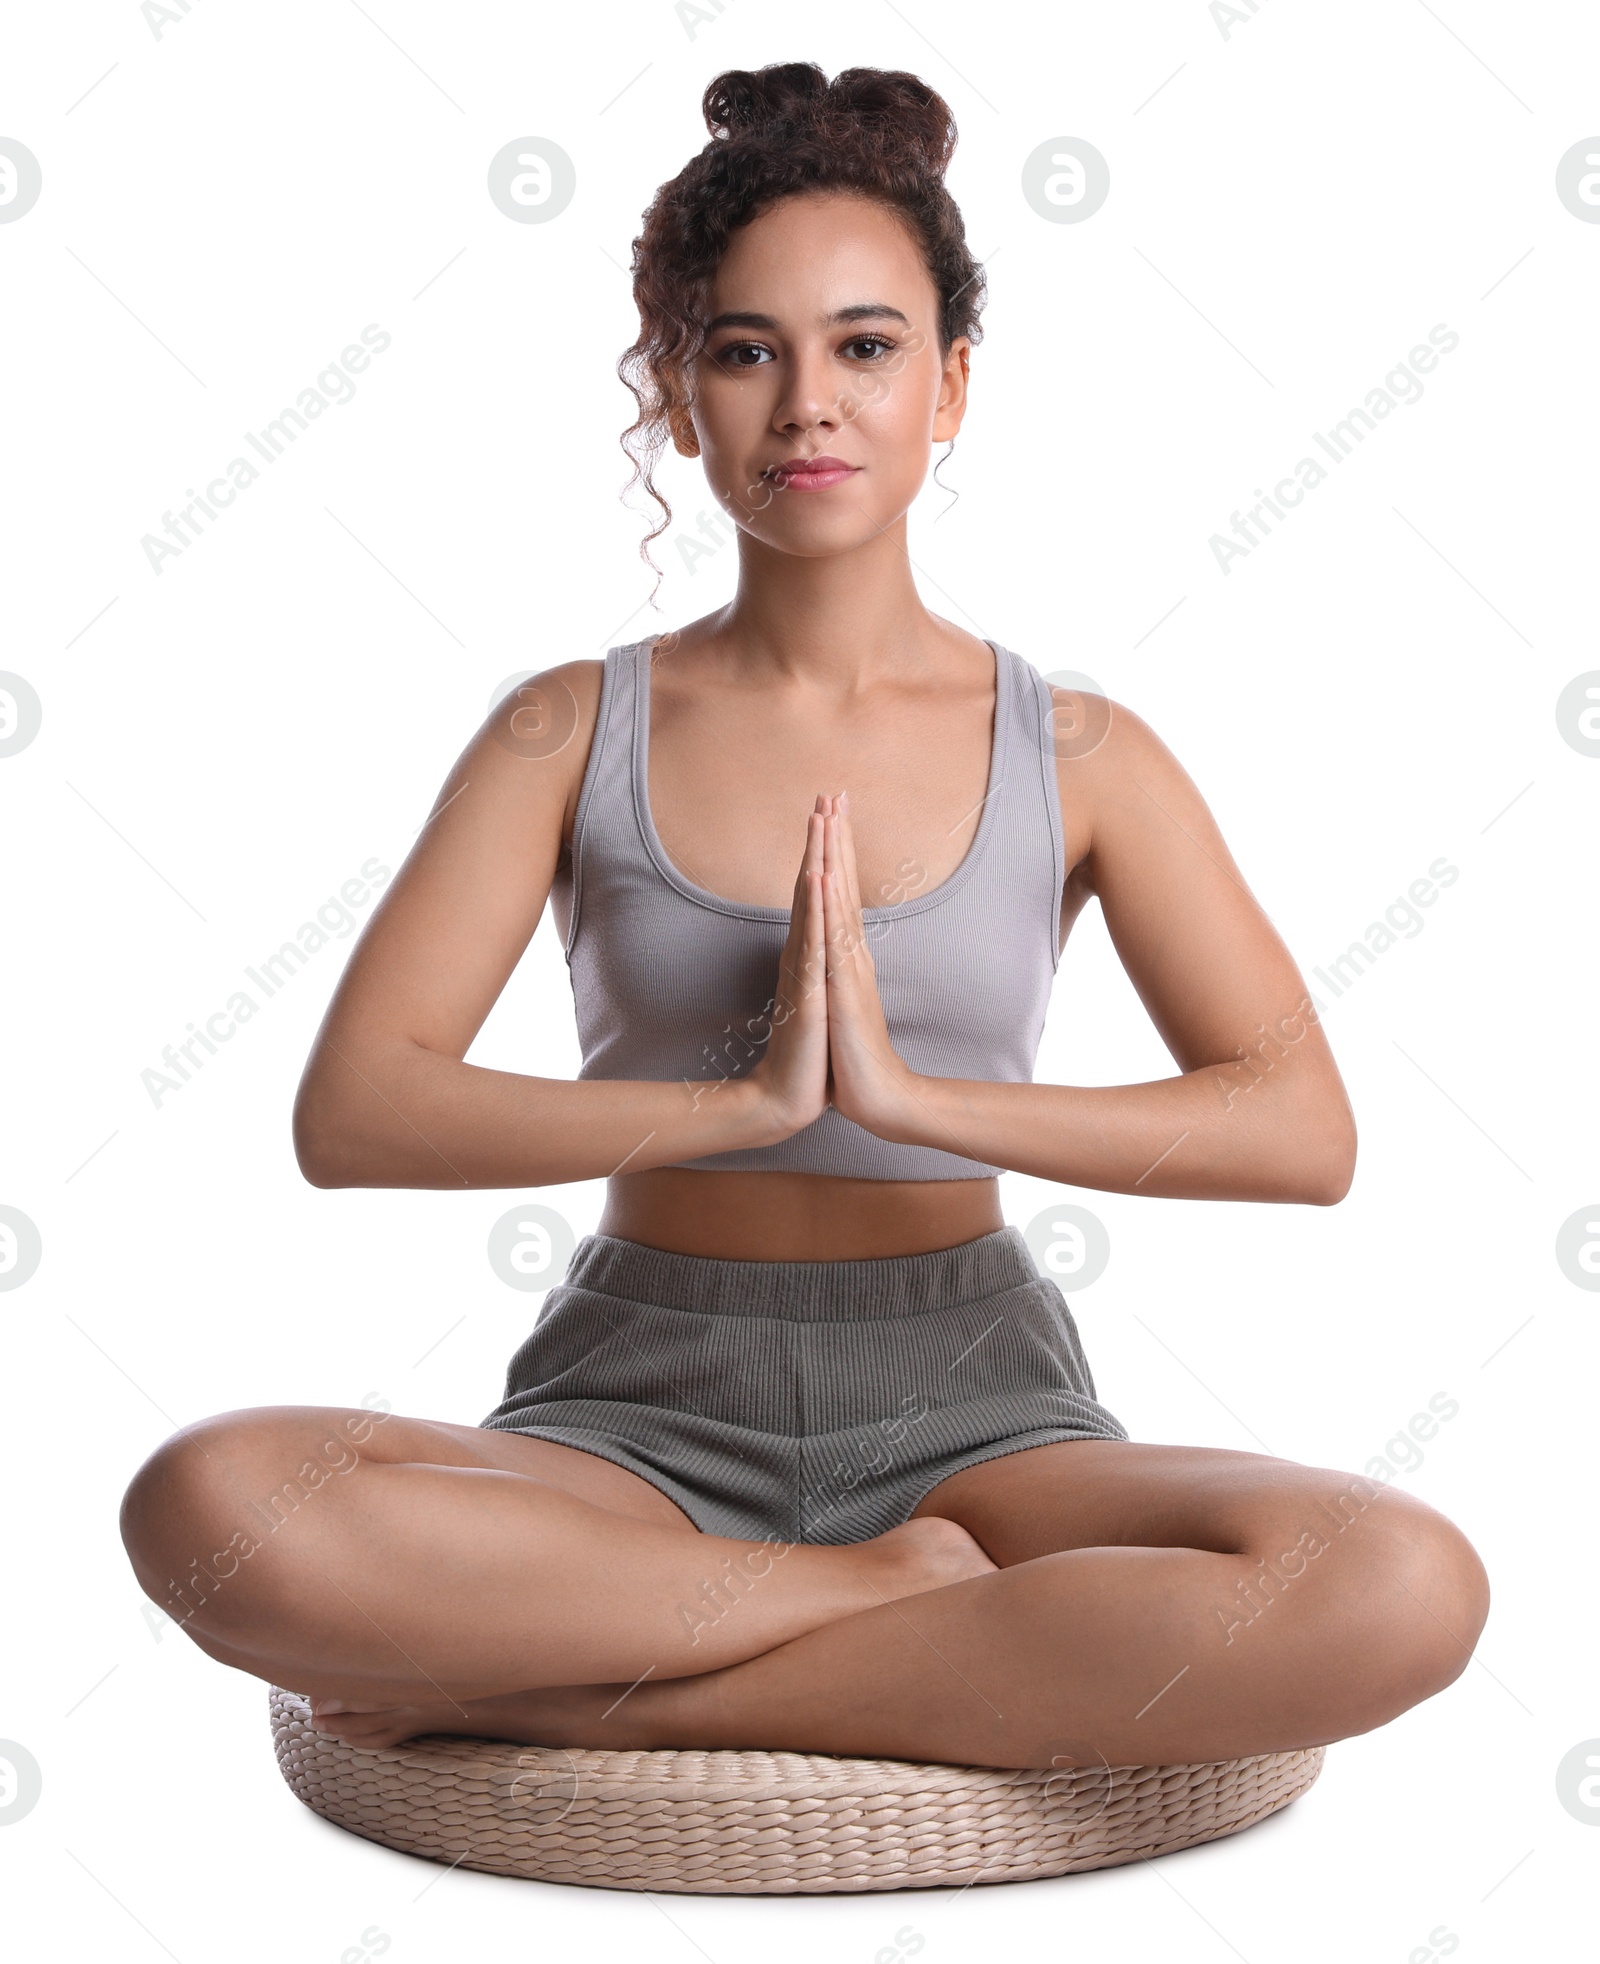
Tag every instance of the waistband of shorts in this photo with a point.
(804, 1292)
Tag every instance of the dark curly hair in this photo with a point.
(775, 131)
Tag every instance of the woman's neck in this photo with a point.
(839, 619)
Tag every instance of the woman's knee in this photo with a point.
(1404, 1593)
(215, 1494)
(1438, 1594)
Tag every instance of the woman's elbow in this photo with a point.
(321, 1144)
(1328, 1168)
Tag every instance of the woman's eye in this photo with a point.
(864, 348)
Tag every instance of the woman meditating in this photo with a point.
(804, 1451)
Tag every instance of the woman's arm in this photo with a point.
(1259, 1112)
(386, 1100)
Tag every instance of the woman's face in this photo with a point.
(823, 343)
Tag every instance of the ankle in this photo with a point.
(674, 1714)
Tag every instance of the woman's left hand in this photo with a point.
(870, 1082)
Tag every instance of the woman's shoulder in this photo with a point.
(1105, 754)
(1118, 779)
(532, 748)
(549, 709)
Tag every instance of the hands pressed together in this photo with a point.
(830, 1042)
(830, 1045)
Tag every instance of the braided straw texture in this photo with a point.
(764, 1823)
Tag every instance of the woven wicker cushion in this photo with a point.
(761, 1823)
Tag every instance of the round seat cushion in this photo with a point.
(764, 1823)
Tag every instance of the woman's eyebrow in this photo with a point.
(865, 310)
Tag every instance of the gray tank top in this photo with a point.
(670, 981)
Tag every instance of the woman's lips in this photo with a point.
(811, 473)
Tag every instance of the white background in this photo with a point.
(1294, 204)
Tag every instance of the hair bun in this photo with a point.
(897, 109)
(743, 99)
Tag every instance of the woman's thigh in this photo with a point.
(229, 1486)
(282, 1444)
(587, 1475)
(1096, 1493)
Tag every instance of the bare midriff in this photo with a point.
(796, 1217)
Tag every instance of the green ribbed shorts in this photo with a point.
(802, 1401)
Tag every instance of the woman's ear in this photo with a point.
(681, 425)
(952, 404)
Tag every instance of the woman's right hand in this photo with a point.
(791, 1081)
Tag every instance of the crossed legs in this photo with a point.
(356, 1555)
(1152, 1605)
(1146, 1604)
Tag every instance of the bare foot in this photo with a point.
(927, 1553)
(556, 1715)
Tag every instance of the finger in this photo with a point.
(853, 926)
(816, 955)
(792, 961)
(806, 855)
(843, 920)
(803, 963)
(848, 841)
(855, 890)
(835, 902)
(816, 924)
(814, 929)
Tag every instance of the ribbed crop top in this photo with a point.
(670, 980)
